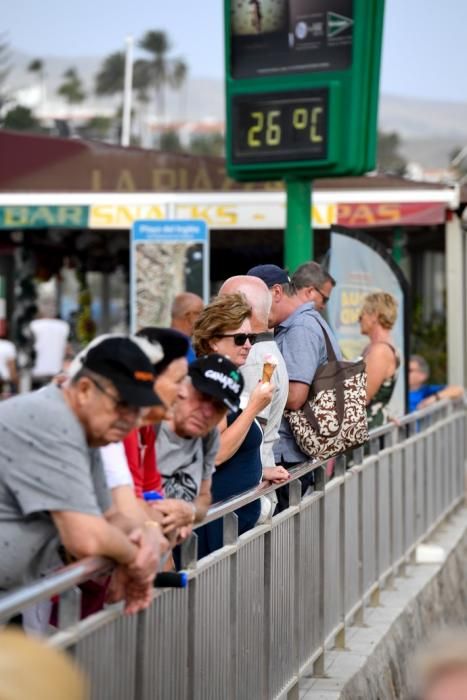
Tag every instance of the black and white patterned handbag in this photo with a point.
(333, 418)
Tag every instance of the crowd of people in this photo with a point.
(122, 454)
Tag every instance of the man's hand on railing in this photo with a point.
(175, 514)
(137, 595)
(146, 563)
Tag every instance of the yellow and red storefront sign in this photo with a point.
(365, 215)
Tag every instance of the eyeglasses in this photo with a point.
(323, 296)
(120, 405)
(240, 338)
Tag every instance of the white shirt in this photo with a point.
(7, 353)
(252, 372)
(117, 471)
(50, 338)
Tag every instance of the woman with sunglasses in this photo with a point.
(224, 327)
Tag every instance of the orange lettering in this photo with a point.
(391, 212)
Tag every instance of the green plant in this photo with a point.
(428, 339)
(85, 326)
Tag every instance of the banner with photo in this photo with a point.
(361, 265)
(167, 257)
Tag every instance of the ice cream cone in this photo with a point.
(268, 371)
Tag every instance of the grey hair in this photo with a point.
(422, 363)
(311, 274)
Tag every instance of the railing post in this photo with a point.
(267, 616)
(375, 595)
(231, 538)
(360, 615)
(320, 485)
(340, 472)
(69, 608)
(189, 552)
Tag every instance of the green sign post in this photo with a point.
(302, 80)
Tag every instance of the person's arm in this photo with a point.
(302, 349)
(203, 500)
(90, 535)
(379, 360)
(233, 435)
(448, 392)
(298, 394)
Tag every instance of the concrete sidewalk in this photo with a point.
(376, 662)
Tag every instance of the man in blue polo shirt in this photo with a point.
(299, 336)
(422, 394)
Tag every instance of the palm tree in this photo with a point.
(162, 69)
(110, 78)
(72, 88)
(36, 66)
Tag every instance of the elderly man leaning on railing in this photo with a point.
(52, 486)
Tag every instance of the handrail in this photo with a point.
(54, 583)
(65, 578)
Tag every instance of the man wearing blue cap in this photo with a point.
(299, 336)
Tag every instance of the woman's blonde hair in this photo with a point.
(384, 306)
(223, 315)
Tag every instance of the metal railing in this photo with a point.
(259, 613)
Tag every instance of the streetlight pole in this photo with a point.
(127, 92)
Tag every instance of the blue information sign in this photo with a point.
(167, 257)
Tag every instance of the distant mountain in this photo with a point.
(429, 130)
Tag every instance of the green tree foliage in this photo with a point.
(170, 142)
(207, 145)
(36, 66)
(21, 119)
(109, 80)
(72, 88)
(162, 70)
(97, 128)
(388, 157)
(428, 339)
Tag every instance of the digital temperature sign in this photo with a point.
(276, 126)
(302, 87)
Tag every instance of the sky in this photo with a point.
(424, 49)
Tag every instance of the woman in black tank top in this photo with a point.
(377, 318)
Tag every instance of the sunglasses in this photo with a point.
(240, 338)
(323, 296)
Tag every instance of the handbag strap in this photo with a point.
(332, 357)
(340, 398)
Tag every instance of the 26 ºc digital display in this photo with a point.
(280, 126)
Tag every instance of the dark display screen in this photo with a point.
(280, 126)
